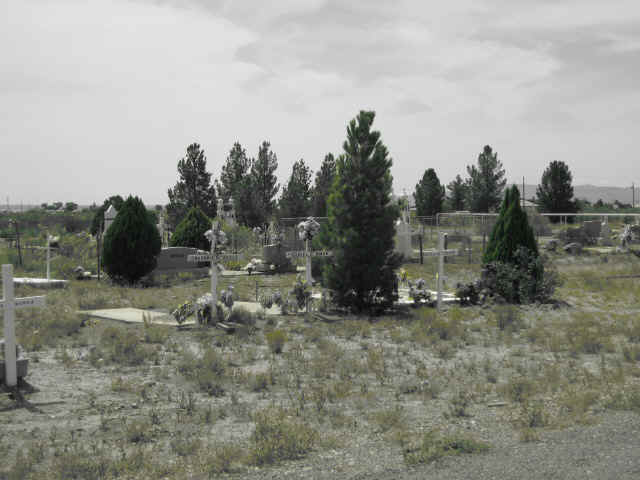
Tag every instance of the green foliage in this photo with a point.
(434, 446)
(429, 194)
(510, 232)
(264, 186)
(322, 186)
(190, 231)
(276, 340)
(486, 182)
(193, 189)
(555, 192)
(457, 193)
(277, 437)
(131, 244)
(361, 225)
(296, 195)
(235, 183)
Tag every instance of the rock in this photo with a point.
(573, 248)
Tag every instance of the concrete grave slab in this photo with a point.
(134, 315)
(40, 282)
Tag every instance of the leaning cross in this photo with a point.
(9, 305)
(440, 253)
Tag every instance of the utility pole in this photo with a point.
(633, 195)
(523, 192)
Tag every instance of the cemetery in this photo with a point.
(251, 352)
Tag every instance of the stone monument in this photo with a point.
(403, 233)
(605, 235)
(109, 217)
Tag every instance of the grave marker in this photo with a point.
(9, 304)
(441, 253)
(307, 254)
(212, 235)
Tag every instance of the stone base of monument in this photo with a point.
(21, 368)
(40, 282)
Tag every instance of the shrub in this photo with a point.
(131, 244)
(434, 446)
(301, 292)
(190, 231)
(277, 437)
(276, 340)
(121, 346)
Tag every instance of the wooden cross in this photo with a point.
(441, 253)
(308, 253)
(9, 304)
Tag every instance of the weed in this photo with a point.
(277, 437)
(139, 431)
(519, 389)
(433, 447)
(388, 419)
(459, 403)
(221, 458)
(276, 340)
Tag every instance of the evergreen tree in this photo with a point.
(131, 244)
(429, 194)
(511, 231)
(322, 187)
(361, 225)
(235, 182)
(486, 182)
(555, 192)
(190, 231)
(264, 186)
(457, 193)
(193, 189)
(296, 196)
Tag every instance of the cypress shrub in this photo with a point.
(131, 244)
(190, 231)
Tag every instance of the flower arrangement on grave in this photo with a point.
(226, 297)
(217, 236)
(183, 311)
(308, 229)
(301, 292)
(418, 291)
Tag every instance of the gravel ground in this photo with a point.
(609, 449)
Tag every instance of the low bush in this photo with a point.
(276, 340)
(433, 446)
(277, 437)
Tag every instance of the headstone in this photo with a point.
(403, 234)
(174, 259)
(605, 235)
(109, 217)
(592, 229)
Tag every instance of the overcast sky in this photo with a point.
(102, 97)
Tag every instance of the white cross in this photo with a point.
(211, 236)
(9, 304)
(308, 253)
(440, 253)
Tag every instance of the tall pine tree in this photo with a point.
(429, 194)
(296, 195)
(361, 225)
(322, 186)
(264, 186)
(486, 182)
(235, 183)
(555, 192)
(457, 193)
(194, 188)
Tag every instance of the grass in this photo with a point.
(433, 446)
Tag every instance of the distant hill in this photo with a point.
(593, 193)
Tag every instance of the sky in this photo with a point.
(102, 97)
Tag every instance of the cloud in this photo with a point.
(410, 106)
